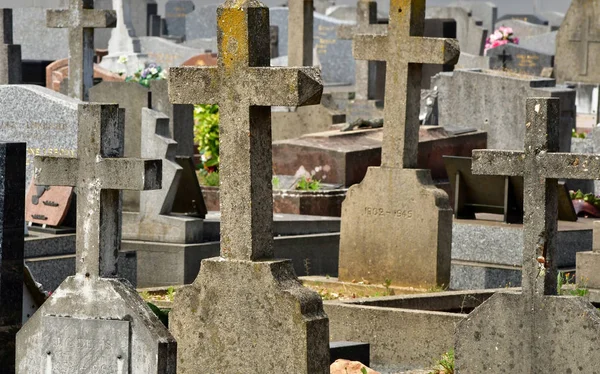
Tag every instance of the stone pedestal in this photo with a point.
(250, 315)
(396, 225)
(135, 62)
(95, 326)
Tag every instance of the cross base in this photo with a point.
(110, 302)
(396, 225)
(265, 301)
(496, 337)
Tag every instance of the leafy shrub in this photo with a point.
(206, 135)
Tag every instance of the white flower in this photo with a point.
(163, 74)
(154, 71)
(123, 60)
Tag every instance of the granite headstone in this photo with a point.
(10, 54)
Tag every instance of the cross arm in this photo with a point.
(131, 174)
(493, 162)
(440, 51)
(194, 85)
(345, 32)
(55, 171)
(571, 166)
(281, 86)
(370, 47)
(93, 18)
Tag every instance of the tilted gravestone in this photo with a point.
(524, 29)
(518, 331)
(93, 322)
(514, 58)
(300, 33)
(485, 11)
(10, 54)
(12, 205)
(578, 44)
(381, 214)
(81, 19)
(252, 308)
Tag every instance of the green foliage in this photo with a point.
(206, 135)
(170, 293)
(148, 74)
(163, 315)
(579, 135)
(445, 365)
(210, 179)
(308, 184)
(363, 370)
(588, 198)
(276, 183)
(567, 279)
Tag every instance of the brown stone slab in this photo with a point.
(203, 59)
(51, 207)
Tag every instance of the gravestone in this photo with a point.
(396, 198)
(544, 43)
(578, 44)
(141, 12)
(285, 328)
(519, 330)
(587, 262)
(44, 119)
(300, 33)
(166, 53)
(93, 322)
(469, 31)
(531, 18)
(175, 15)
(485, 11)
(517, 59)
(38, 42)
(493, 101)
(12, 204)
(81, 19)
(10, 54)
(523, 29)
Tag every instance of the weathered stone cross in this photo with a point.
(405, 50)
(10, 55)
(366, 23)
(585, 37)
(98, 174)
(534, 320)
(245, 86)
(300, 33)
(81, 19)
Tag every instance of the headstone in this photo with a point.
(38, 42)
(300, 33)
(485, 11)
(293, 336)
(578, 44)
(175, 16)
(93, 322)
(587, 262)
(124, 50)
(533, 320)
(141, 12)
(166, 53)
(44, 119)
(492, 101)
(531, 18)
(274, 33)
(544, 43)
(514, 58)
(396, 199)
(523, 29)
(10, 54)
(12, 185)
(470, 32)
(81, 19)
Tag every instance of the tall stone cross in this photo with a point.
(405, 50)
(366, 23)
(81, 18)
(292, 338)
(10, 54)
(585, 37)
(98, 174)
(535, 311)
(244, 86)
(300, 33)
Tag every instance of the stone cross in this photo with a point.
(505, 57)
(292, 337)
(81, 19)
(405, 50)
(585, 37)
(12, 226)
(238, 85)
(366, 18)
(122, 37)
(300, 33)
(10, 55)
(98, 174)
(534, 319)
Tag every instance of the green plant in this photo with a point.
(575, 134)
(162, 314)
(146, 75)
(588, 198)
(206, 135)
(170, 293)
(145, 295)
(567, 279)
(388, 287)
(308, 184)
(208, 178)
(363, 370)
(276, 182)
(445, 365)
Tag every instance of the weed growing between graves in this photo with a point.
(445, 365)
(580, 135)
(206, 136)
(308, 184)
(578, 288)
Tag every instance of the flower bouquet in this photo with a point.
(502, 36)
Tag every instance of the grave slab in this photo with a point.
(10, 54)
(517, 59)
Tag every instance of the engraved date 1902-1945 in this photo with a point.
(381, 212)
